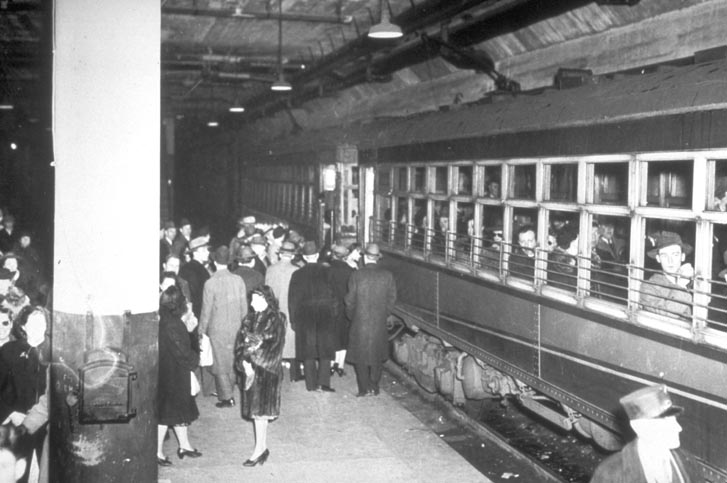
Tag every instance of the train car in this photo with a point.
(521, 229)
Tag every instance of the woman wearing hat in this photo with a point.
(258, 360)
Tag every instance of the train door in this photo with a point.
(366, 201)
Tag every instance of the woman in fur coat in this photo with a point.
(258, 360)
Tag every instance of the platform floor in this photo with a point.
(320, 437)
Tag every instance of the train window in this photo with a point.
(563, 181)
(440, 179)
(491, 240)
(383, 218)
(610, 237)
(402, 221)
(562, 249)
(492, 182)
(522, 182)
(441, 229)
(464, 180)
(718, 170)
(465, 229)
(384, 179)
(402, 179)
(668, 278)
(419, 179)
(669, 184)
(524, 244)
(717, 314)
(418, 228)
(610, 183)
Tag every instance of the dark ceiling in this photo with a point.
(216, 53)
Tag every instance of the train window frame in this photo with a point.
(587, 210)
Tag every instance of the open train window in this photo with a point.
(668, 273)
(442, 229)
(464, 180)
(610, 237)
(669, 184)
(418, 227)
(419, 179)
(464, 231)
(717, 311)
(524, 243)
(402, 220)
(441, 180)
(491, 182)
(522, 182)
(562, 182)
(563, 255)
(610, 183)
(382, 229)
(491, 238)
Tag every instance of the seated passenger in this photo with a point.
(563, 260)
(654, 456)
(441, 230)
(492, 249)
(666, 292)
(522, 259)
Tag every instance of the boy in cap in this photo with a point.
(653, 457)
(665, 293)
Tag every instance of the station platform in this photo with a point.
(320, 437)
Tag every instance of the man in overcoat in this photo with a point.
(340, 273)
(195, 272)
(370, 299)
(654, 456)
(313, 312)
(278, 278)
(224, 304)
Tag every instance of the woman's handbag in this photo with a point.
(205, 356)
(194, 384)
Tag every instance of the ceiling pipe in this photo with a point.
(243, 15)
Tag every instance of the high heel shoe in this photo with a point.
(164, 461)
(192, 453)
(259, 460)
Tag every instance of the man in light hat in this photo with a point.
(245, 231)
(224, 305)
(369, 301)
(313, 315)
(653, 457)
(278, 278)
(259, 246)
(665, 293)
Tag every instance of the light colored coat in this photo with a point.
(277, 278)
(224, 305)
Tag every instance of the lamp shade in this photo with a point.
(385, 29)
(281, 85)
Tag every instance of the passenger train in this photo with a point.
(445, 194)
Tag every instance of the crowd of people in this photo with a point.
(266, 301)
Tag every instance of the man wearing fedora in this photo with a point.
(313, 316)
(195, 272)
(369, 301)
(340, 274)
(278, 278)
(224, 305)
(654, 456)
(245, 268)
(666, 293)
(169, 233)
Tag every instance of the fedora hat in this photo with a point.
(372, 250)
(198, 242)
(666, 239)
(340, 251)
(287, 247)
(309, 248)
(221, 255)
(247, 220)
(649, 403)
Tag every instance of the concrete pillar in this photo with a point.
(106, 131)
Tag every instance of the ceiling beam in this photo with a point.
(239, 14)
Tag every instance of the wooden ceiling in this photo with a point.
(215, 53)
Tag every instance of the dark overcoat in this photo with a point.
(224, 305)
(177, 360)
(625, 467)
(313, 312)
(370, 299)
(263, 397)
(22, 377)
(196, 275)
(253, 279)
(340, 273)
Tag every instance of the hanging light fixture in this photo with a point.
(385, 29)
(280, 85)
(236, 107)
